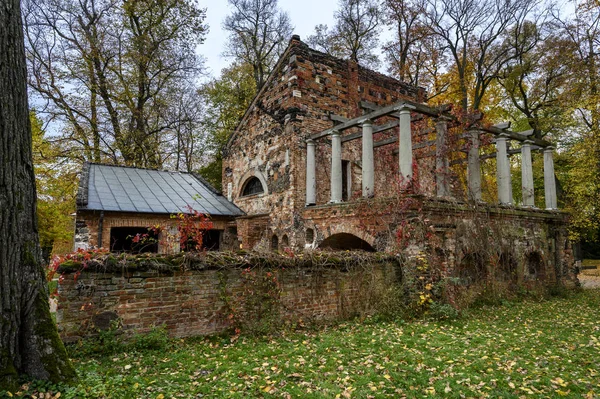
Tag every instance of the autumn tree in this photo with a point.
(582, 32)
(108, 69)
(535, 79)
(355, 33)
(472, 32)
(29, 341)
(414, 54)
(258, 33)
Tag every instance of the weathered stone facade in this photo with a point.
(309, 92)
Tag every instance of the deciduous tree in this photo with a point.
(258, 34)
(355, 33)
(29, 342)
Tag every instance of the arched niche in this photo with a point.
(345, 242)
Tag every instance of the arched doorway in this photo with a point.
(345, 242)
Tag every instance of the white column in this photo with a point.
(474, 168)
(405, 156)
(368, 163)
(311, 181)
(549, 182)
(336, 167)
(527, 174)
(503, 170)
(441, 158)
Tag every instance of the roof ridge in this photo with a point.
(138, 167)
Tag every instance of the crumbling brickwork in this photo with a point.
(309, 92)
(192, 303)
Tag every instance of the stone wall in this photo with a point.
(199, 302)
(534, 242)
(306, 87)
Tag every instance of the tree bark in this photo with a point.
(29, 341)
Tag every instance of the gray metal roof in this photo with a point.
(127, 189)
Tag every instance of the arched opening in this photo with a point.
(536, 269)
(471, 269)
(507, 268)
(285, 242)
(346, 242)
(274, 243)
(252, 186)
(310, 236)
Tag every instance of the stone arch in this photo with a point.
(506, 269)
(338, 228)
(535, 267)
(246, 177)
(471, 269)
(285, 242)
(274, 242)
(345, 242)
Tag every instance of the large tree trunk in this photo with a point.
(29, 342)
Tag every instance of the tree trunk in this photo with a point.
(29, 342)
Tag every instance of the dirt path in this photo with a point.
(589, 280)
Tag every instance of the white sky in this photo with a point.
(304, 14)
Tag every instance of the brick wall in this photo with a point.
(296, 101)
(87, 228)
(191, 302)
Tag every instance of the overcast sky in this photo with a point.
(305, 14)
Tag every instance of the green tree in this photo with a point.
(227, 98)
(56, 183)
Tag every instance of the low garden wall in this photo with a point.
(216, 292)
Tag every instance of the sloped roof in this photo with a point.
(126, 189)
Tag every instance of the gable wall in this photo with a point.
(297, 101)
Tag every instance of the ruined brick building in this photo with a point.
(333, 155)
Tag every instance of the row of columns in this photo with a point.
(442, 165)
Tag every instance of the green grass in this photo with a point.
(530, 349)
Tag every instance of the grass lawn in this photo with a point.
(528, 349)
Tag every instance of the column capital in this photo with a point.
(403, 108)
(335, 132)
(527, 142)
(310, 142)
(366, 122)
(503, 136)
(549, 149)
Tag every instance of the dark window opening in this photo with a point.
(345, 180)
(133, 239)
(274, 243)
(285, 243)
(536, 267)
(211, 240)
(253, 186)
(310, 236)
(471, 269)
(507, 268)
